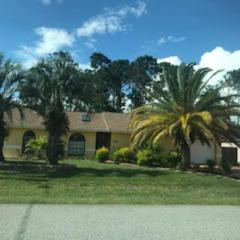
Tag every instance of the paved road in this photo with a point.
(82, 222)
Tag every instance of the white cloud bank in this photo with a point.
(219, 58)
(111, 21)
(216, 59)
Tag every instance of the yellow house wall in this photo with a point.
(168, 145)
(13, 143)
(119, 140)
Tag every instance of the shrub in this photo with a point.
(124, 154)
(211, 163)
(144, 157)
(168, 159)
(226, 166)
(37, 147)
(102, 154)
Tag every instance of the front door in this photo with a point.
(230, 154)
(103, 140)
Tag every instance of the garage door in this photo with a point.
(229, 154)
(201, 153)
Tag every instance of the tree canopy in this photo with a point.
(186, 112)
(10, 77)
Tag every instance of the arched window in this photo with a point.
(76, 145)
(26, 137)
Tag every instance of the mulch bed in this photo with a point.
(217, 171)
(14, 166)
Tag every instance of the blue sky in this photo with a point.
(202, 31)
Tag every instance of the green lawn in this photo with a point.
(96, 183)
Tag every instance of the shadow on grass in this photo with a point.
(25, 162)
(23, 175)
(42, 174)
(95, 172)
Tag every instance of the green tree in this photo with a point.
(110, 78)
(81, 93)
(232, 81)
(185, 113)
(45, 90)
(10, 76)
(142, 75)
(100, 63)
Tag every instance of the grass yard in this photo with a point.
(95, 183)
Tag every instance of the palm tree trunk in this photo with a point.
(186, 156)
(52, 153)
(2, 159)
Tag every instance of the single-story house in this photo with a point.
(90, 131)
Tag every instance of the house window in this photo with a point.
(27, 136)
(76, 145)
(86, 118)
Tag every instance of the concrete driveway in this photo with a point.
(83, 222)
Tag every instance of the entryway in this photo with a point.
(230, 154)
(103, 139)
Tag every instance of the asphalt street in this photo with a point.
(90, 222)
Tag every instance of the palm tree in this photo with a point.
(186, 112)
(10, 75)
(44, 90)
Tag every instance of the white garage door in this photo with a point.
(201, 153)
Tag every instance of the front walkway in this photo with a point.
(75, 222)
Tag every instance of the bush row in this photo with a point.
(143, 157)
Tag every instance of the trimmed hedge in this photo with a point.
(149, 157)
(169, 159)
(102, 154)
(125, 155)
(145, 157)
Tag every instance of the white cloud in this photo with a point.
(85, 66)
(216, 59)
(175, 60)
(51, 40)
(111, 21)
(170, 39)
(55, 39)
(219, 58)
(90, 44)
(48, 2)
